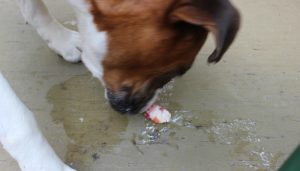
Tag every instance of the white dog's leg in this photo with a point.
(20, 136)
(63, 41)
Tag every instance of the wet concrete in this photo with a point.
(89, 122)
(239, 115)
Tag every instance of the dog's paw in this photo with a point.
(63, 41)
(69, 48)
(67, 45)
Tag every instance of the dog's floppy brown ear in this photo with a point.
(217, 16)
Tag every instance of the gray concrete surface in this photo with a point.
(242, 114)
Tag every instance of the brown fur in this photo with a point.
(151, 41)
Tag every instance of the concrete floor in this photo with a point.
(242, 114)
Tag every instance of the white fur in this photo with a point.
(19, 133)
(91, 42)
(94, 41)
(20, 136)
(63, 41)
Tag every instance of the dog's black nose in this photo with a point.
(124, 101)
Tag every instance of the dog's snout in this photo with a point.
(119, 100)
(126, 102)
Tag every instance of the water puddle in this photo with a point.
(92, 126)
(238, 134)
(248, 152)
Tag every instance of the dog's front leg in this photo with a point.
(20, 136)
(63, 41)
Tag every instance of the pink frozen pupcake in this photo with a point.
(158, 114)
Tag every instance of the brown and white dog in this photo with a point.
(134, 47)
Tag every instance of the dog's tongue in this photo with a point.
(158, 114)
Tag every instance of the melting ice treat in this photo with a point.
(158, 114)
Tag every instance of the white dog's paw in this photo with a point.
(69, 47)
(63, 41)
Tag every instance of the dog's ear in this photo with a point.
(217, 16)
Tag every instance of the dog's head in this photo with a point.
(149, 42)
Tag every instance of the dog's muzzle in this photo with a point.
(126, 102)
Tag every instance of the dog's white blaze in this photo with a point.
(94, 42)
(20, 136)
